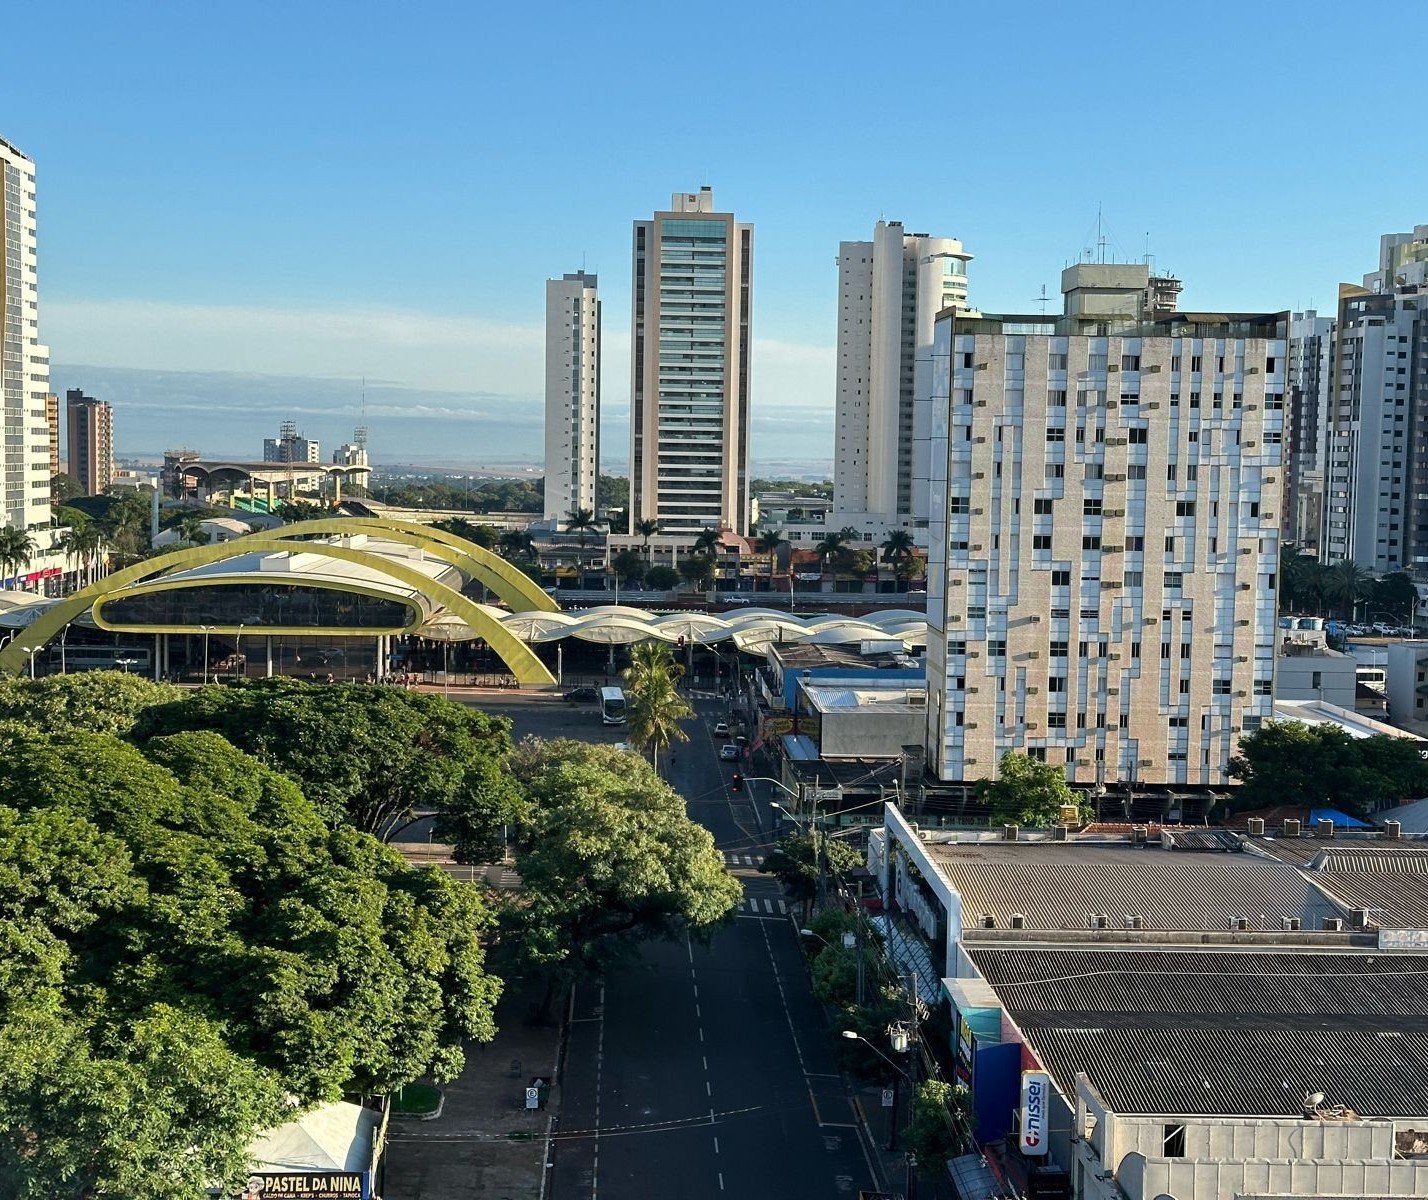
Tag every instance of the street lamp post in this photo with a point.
(855, 1036)
(238, 664)
(32, 651)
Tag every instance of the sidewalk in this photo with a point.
(485, 1143)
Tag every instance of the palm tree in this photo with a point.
(1295, 574)
(647, 529)
(707, 541)
(897, 546)
(831, 545)
(580, 521)
(654, 707)
(516, 543)
(768, 543)
(17, 551)
(1347, 583)
(192, 531)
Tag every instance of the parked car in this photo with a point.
(736, 600)
(582, 695)
(728, 752)
(721, 729)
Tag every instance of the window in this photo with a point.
(1263, 687)
(1186, 649)
(1220, 687)
(1171, 471)
(1060, 578)
(1195, 362)
(1193, 436)
(1041, 507)
(997, 649)
(1135, 471)
(1135, 545)
(1184, 687)
(1091, 541)
(1133, 579)
(1056, 434)
(1091, 508)
(1136, 435)
(1174, 581)
(1041, 541)
(956, 648)
(1056, 720)
(1056, 399)
(959, 505)
(1059, 649)
(1130, 362)
(976, 612)
(1185, 508)
(1170, 545)
(1056, 362)
(1164, 650)
(1135, 649)
(1056, 683)
(1055, 470)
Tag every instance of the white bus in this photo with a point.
(612, 706)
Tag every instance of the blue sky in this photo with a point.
(312, 192)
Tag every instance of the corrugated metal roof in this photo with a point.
(1224, 1032)
(1060, 886)
(1381, 860)
(1214, 986)
(1239, 1071)
(1396, 901)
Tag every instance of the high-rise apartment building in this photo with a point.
(52, 431)
(689, 419)
(572, 393)
(1104, 539)
(1311, 367)
(291, 447)
(90, 424)
(890, 291)
(24, 363)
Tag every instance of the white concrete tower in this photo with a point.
(572, 393)
(689, 412)
(890, 291)
(1104, 541)
(24, 363)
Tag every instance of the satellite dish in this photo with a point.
(1313, 1099)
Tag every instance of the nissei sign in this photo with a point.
(1035, 1111)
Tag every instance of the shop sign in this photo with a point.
(324, 1185)
(1035, 1111)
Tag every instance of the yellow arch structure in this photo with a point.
(517, 656)
(515, 587)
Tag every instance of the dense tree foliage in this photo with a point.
(612, 491)
(1029, 792)
(100, 701)
(184, 942)
(661, 578)
(462, 495)
(1322, 766)
(608, 856)
(797, 860)
(366, 756)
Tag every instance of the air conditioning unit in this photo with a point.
(1393, 829)
(1011, 832)
(987, 921)
(1333, 924)
(1154, 403)
(979, 474)
(981, 403)
(1018, 921)
(1256, 827)
(1239, 923)
(981, 366)
(1135, 922)
(1032, 691)
(1241, 658)
(1290, 923)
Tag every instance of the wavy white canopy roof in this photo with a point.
(751, 629)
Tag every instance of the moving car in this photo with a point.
(582, 695)
(728, 752)
(721, 729)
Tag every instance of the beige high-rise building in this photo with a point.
(890, 291)
(689, 418)
(52, 427)
(91, 441)
(24, 362)
(572, 394)
(1104, 538)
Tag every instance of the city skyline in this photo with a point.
(249, 212)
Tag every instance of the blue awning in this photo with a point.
(1341, 820)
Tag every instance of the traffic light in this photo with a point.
(737, 784)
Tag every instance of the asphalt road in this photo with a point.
(707, 1069)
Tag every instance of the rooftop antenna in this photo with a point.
(1100, 238)
(1043, 299)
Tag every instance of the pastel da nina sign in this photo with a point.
(330, 1185)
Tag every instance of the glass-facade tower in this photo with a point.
(689, 450)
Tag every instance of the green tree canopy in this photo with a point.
(101, 701)
(1029, 792)
(183, 942)
(608, 856)
(661, 578)
(365, 756)
(794, 862)
(1315, 766)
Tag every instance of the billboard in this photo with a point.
(1035, 1112)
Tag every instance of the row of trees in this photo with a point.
(1310, 586)
(198, 922)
